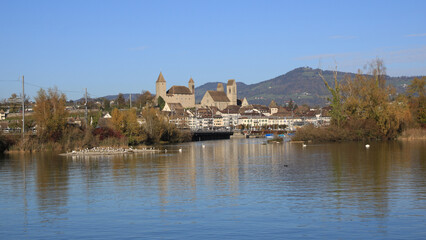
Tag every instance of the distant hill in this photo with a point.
(125, 95)
(302, 85)
(113, 97)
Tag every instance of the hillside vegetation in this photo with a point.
(364, 107)
(303, 85)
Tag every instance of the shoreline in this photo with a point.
(413, 134)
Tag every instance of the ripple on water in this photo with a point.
(233, 189)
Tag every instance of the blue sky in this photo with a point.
(121, 46)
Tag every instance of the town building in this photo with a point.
(230, 116)
(244, 103)
(221, 109)
(220, 98)
(2, 115)
(176, 94)
(273, 107)
(173, 107)
(252, 117)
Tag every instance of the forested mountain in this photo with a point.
(302, 85)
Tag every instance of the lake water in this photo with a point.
(228, 189)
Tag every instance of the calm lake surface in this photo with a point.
(229, 189)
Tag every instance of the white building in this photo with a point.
(2, 115)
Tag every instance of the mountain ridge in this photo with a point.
(303, 85)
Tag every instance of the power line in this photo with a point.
(64, 91)
(71, 91)
(38, 86)
(33, 85)
(9, 80)
(93, 96)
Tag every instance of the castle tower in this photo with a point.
(191, 85)
(220, 87)
(231, 91)
(160, 87)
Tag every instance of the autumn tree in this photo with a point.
(106, 104)
(14, 103)
(126, 123)
(132, 129)
(95, 117)
(120, 101)
(144, 99)
(417, 87)
(417, 100)
(154, 125)
(377, 69)
(5, 143)
(367, 99)
(117, 119)
(50, 114)
(172, 134)
(336, 101)
(363, 107)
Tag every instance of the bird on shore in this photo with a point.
(165, 150)
(180, 149)
(204, 146)
(303, 145)
(367, 145)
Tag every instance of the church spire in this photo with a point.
(160, 78)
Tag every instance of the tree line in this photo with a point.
(126, 127)
(364, 107)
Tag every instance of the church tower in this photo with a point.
(191, 85)
(231, 91)
(220, 87)
(160, 87)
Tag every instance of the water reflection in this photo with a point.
(233, 180)
(52, 187)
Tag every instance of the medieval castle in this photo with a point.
(186, 95)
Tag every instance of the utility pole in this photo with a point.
(130, 101)
(23, 108)
(85, 114)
